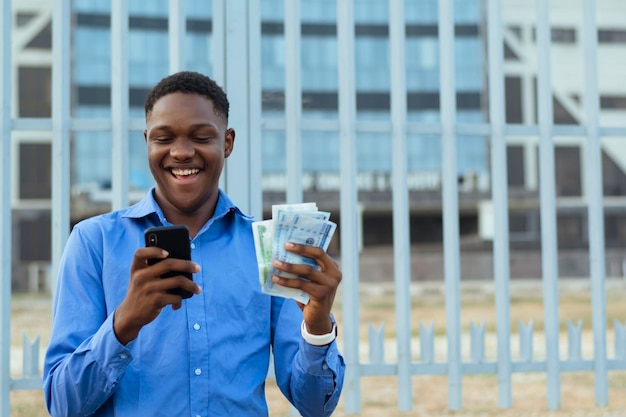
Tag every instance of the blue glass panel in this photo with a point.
(320, 151)
(424, 153)
(146, 66)
(273, 63)
(93, 161)
(372, 64)
(371, 11)
(199, 9)
(318, 11)
(467, 11)
(319, 63)
(273, 151)
(472, 154)
(152, 8)
(422, 59)
(140, 175)
(91, 6)
(272, 10)
(421, 11)
(92, 56)
(198, 52)
(469, 69)
(373, 152)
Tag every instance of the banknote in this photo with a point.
(299, 223)
(308, 228)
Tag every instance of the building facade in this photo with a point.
(148, 63)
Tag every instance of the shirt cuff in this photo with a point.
(113, 356)
(319, 360)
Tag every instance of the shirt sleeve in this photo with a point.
(84, 360)
(311, 377)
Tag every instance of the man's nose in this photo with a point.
(182, 148)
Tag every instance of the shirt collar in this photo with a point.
(148, 206)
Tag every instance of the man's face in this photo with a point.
(187, 144)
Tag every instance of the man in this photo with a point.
(118, 349)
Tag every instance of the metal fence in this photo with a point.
(235, 48)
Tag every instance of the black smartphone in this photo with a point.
(175, 240)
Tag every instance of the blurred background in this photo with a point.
(91, 165)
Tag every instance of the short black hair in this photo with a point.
(189, 82)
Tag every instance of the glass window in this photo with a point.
(273, 10)
(273, 151)
(372, 64)
(373, 152)
(92, 65)
(146, 66)
(371, 11)
(273, 63)
(319, 63)
(424, 153)
(468, 54)
(148, 8)
(422, 59)
(318, 11)
(198, 8)
(320, 151)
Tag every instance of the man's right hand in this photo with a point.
(148, 293)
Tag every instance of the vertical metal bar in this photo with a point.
(218, 42)
(254, 78)
(6, 65)
(400, 196)
(61, 65)
(293, 101)
(595, 199)
(176, 35)
(499, 194)
(218, 51)
(119, 103)
(547, 194)
(348, 201)
(237, 177)
(450, 198)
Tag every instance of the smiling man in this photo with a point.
(118, 349)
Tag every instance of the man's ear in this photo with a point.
(145, 135)
(229, 142)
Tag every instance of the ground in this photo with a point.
(31, 316)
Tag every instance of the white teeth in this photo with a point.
(184, 172)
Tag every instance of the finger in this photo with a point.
(169, 265)
(310, 272)
(140, 260)
(176, 282)
(318, 254)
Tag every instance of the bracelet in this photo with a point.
(318, 340)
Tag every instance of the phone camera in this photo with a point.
(152, 239)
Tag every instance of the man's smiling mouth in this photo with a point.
(180, 172)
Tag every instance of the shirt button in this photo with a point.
(193, 245)
(198, 371)
(196, 326)
(325, 367)
(123, 356)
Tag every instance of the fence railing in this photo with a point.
(236, 44)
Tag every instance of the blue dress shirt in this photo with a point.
(209, 358)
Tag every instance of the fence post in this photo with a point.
(5, 205)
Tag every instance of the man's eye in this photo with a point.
(162, 139)
(203, 138)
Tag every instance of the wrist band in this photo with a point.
(318, 340)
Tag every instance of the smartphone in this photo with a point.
(175, 240)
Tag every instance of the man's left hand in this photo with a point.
(321, 285)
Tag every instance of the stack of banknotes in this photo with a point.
(298, 223)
